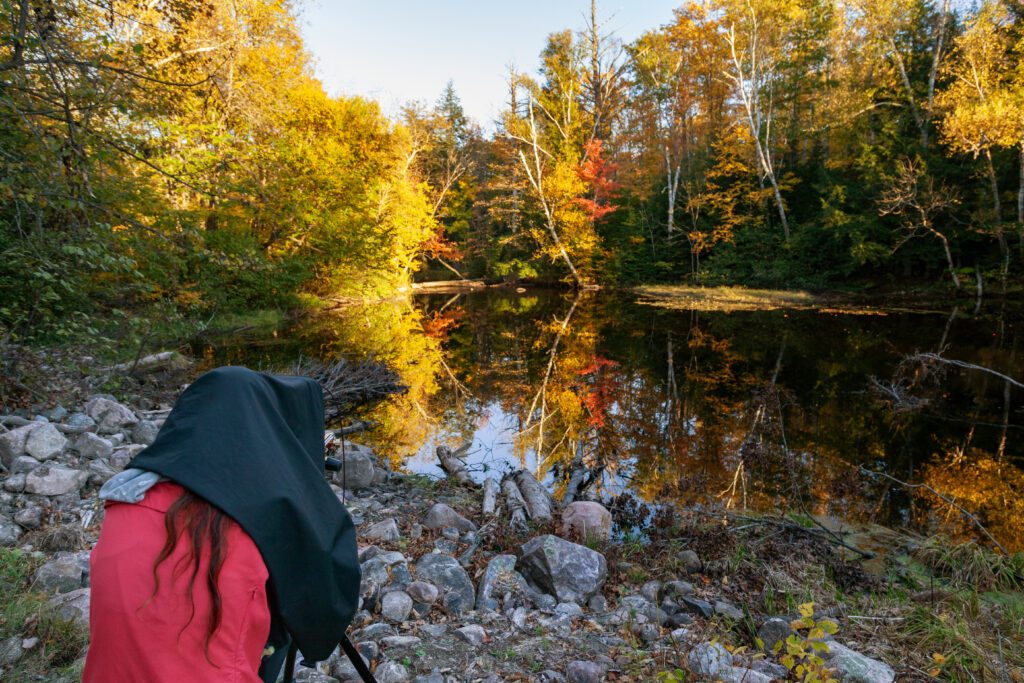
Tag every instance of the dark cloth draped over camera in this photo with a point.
(252, 444)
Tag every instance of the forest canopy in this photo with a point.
(179, 157)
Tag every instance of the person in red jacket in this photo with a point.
(222, 544)
(179, 593)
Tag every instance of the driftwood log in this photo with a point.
(490, 495)
(537, 498)
(516, 504)
(454, 467)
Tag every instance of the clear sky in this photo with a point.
(400, 50)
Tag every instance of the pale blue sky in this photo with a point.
(400, 50)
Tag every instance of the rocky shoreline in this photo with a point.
(451, 591)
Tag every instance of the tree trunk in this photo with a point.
(996, 204)
(940, 29)
(537, 498)
(516, 504)
(490, 495)
(1020, 202)
(949, 256)
(451, 464)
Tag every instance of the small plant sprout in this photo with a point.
(803, 653)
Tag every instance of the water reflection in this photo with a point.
(761, 409)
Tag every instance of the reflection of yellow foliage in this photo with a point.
(992, 490)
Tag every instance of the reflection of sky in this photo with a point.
(492, 453)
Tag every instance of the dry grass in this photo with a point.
(742, 299)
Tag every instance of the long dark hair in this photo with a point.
(201, 525)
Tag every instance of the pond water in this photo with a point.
(762, 409)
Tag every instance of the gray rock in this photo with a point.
(145, 432)
(30, 517)
(739, 674)
(853, 667)
(474, 634)
(45, 442)
(729, 610)
(9, 532)
(570, 609)
(679, 635)
(708, 659)
(586, 519)
(416, 531)
(675, 588)
(385, 530)
(303, 674)
(11, 651)
(24, 464)
(550, 676)
(583, 672)
(110, 416)
(649, 633)
(770, 669)
(570, 572)
(598, 604)
(400, 641)
(55, 414)
(690, 561)
(99, 472)
(445, 546)
(499, 577)
(15, 483)
(440, 516)
(451, 533)
(421, 591)
(371, 650)
(543, 601)
(12, 443)
(380, 476)
(90, 445)
(358, 470)
(773, 631)
(73, 605)
(63, 573)
(444, 571)
(453, 604)
(391, 672)
(120, 458)
(396, 606)
(650, 591)
(377, 631)
(695, 606)
(55, 480)
(79, 423)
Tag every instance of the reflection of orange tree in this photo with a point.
(988, 487)
(393, 332)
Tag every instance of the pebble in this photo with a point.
(396, 606)
(473, 634)
(583, 672)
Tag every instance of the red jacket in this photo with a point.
(138, 639)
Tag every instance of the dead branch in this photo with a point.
(967, 366)
(347, 385)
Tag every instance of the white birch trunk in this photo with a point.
(490, 495)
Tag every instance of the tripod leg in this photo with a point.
(289, 662)
(357, 660)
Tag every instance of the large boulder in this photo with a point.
(91, 446)
(445, 572)
(570, 572)
(853, 667)
(358, 470)
(587, 520)
(110, 416)
(12, 443)
(63, 573)
(54, 480)
(499, 578)
(45, 442)
(73, 606)
(440, 516)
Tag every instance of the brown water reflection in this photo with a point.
(762, 409)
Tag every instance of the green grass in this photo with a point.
(26, 614)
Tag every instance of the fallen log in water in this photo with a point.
(516, 504)
(538, 500)
(490, 495)
(454, 467)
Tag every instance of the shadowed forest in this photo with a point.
(179, 159)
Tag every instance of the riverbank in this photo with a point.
(452, 592)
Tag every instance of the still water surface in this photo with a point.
(767, 409)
